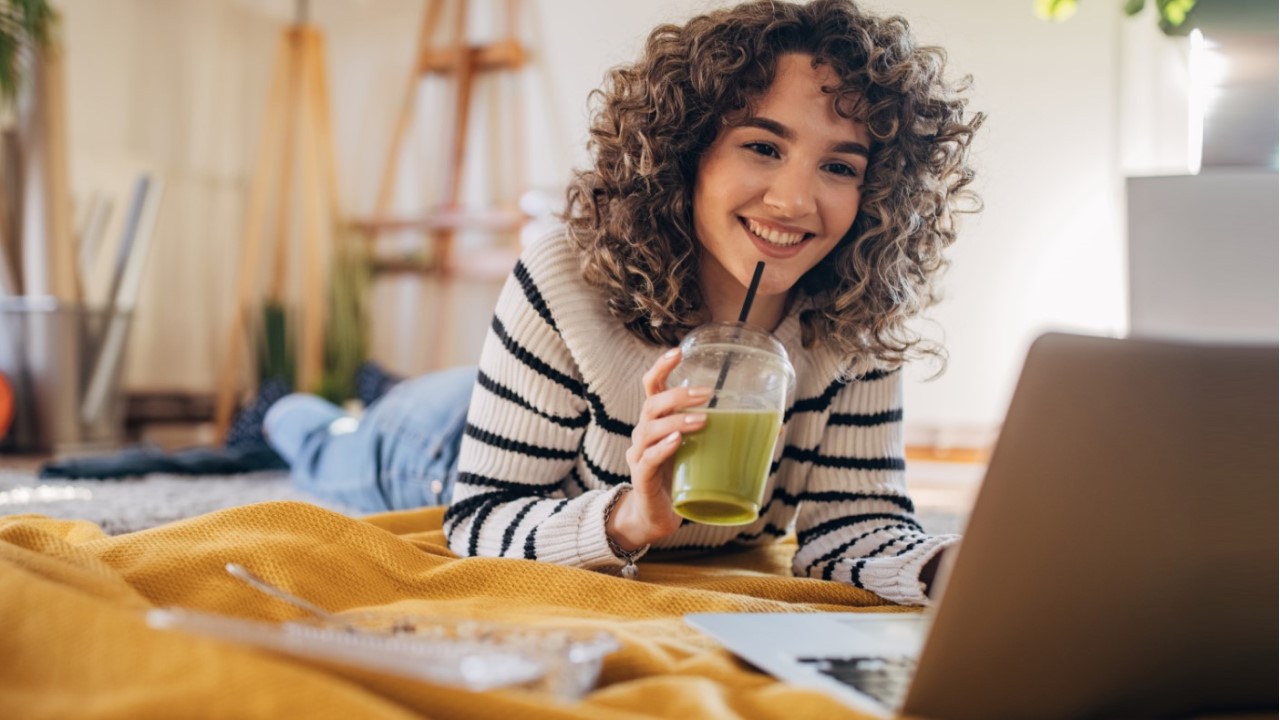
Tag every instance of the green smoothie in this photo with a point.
(720, 471)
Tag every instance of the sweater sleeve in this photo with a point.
(855, 522)
(524, 429)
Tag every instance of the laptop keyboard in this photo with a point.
(883, 678)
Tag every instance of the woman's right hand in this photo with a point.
(644, 515)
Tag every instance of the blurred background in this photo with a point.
(241, 163)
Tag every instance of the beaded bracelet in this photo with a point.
(629, 570)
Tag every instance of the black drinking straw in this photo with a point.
(742, 318)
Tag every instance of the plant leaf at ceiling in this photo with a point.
(1171, 14)
(1055, 10)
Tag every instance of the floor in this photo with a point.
(22, 463)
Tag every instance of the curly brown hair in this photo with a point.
(631, 215)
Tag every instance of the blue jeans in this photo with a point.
(402, 454)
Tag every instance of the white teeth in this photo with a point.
(774, 236)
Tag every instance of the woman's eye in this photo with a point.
(760, 148)
(841, 169)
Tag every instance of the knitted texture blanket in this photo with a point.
(75, 641)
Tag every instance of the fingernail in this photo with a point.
(694, 418)
(699, 392)
(671, 353)
(672, 437)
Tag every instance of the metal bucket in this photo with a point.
(64, 363)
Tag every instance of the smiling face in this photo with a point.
(782, 186)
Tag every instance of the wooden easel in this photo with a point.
(464, 62)
(296, 121)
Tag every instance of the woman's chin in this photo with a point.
(775, 281)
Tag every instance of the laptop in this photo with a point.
(1120, 560)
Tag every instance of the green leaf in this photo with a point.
(1055, 10)
(275, 343)
(346, 337)
(36, 18)
(25, 26)
(1173, 12)
(9, 49)
(1133, 7)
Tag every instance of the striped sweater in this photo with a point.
(550, 423)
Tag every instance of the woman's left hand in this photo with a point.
(645, 515)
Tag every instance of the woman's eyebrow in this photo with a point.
(848, 146)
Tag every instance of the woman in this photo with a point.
(817, 138)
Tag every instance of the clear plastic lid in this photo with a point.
(747, 367)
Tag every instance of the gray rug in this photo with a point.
(121, 506)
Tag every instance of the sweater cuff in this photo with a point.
(899, 582)
(583, 543)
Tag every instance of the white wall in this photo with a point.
(173, 87)
(1047, 252)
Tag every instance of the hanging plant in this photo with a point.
(1171, 14)
(25, 26)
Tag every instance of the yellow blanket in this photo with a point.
(74, 641)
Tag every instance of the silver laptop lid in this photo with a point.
(1121, 559)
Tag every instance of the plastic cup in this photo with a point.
(721, 470)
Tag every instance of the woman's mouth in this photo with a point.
(774, 237)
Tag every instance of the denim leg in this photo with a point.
(293, 421)
(425, 416)
(402, 454)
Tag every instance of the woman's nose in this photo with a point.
(791, 193)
